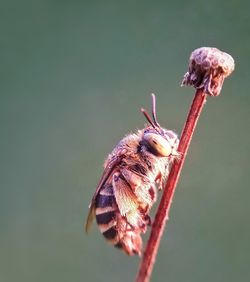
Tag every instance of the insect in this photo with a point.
(136, 167)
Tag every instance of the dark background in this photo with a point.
(74, 75)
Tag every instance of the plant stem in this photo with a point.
(161, 217)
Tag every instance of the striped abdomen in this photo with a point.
(115, 227)
(106, 210)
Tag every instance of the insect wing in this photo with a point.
(110, 168)
(125, 198)
(90, 218)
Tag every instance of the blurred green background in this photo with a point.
(74, 75)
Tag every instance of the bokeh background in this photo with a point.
(74, 75)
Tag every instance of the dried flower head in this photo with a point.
(207, 69)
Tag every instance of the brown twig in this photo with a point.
(207, 69)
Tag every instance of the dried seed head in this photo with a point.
(207, 69)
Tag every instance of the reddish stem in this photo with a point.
(161, 217)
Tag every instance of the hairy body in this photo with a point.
(137, 166)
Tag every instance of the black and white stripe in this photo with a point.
(106, 209)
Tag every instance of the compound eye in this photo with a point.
(157, 144)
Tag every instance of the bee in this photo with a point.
(136, 167)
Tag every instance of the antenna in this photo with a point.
(153, 122)
(154, 110)
(147, 116)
